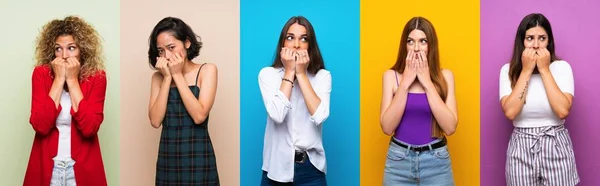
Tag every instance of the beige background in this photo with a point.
(21, 23)
(217, 23)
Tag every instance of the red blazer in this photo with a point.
(85, 149)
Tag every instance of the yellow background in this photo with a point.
(457, 27)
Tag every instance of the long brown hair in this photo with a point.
(433, 57)
(86, 38)
(529, 21)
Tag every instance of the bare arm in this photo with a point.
(199, 108)
(445, 113)
(392, 105)
(159, 93)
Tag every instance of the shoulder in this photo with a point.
(560, 64)
(269, 71)
(323, 73)
(99, 75)
(448, 75)
(505, 68)
(208, 67)
(41, 69)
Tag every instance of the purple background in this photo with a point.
(576, 28)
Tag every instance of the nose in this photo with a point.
(65, 54)
(296, 44)
(536, 44)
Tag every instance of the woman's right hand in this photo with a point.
(59, 67)
(288, 59)
(410, 70)
(528, 59)
(163, 67)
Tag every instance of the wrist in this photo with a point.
(72, 80)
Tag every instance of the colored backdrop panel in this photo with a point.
(217, 23)
(575, 27)
(24, 22)
(336, 24)
(457, 27)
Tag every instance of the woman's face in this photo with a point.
(65, 47)
(417, 41)
(296, 38)
(536, 38)
(167, 46)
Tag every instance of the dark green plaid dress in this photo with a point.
(185, 154)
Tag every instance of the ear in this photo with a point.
(187, 44)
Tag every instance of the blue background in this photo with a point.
(337, 25)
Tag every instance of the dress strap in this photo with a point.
(197, 75)
(396, 73)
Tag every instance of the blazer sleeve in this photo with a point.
(43, 110)
(91, 108)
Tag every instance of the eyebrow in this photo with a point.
(58, 44)
(534, 35)
(416, 39)
(289, 33)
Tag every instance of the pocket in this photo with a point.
(442, 153)
(396, 153)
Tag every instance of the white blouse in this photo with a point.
(290, 126)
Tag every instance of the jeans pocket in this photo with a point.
(396, 153)
(441, 153)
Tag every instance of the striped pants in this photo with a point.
(541, 156)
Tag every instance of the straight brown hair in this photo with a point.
(433, 57)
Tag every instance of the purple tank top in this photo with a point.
(415, 125)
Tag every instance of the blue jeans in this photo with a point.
(63, 173)
(305, 174)
(408, 167)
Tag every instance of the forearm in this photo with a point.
(514, 103)
(559, 102)
(196, 110)
(446, 119)
(311, 99)
(159, 108)
(286, 87)
(75, 93)
(56, 90)
(390, 119)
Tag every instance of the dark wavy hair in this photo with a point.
(180, 31)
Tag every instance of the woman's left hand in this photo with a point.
(302, 60)
(543, 59)
(72, 68)
(423, 70)
(176, 64)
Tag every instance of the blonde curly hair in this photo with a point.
(86, 38)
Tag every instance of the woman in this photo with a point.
(418, 107)
(67, 105)
(181, 97)
(536, 93)
(295, 91)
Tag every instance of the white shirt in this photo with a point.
(63, 123)
(290, 126)
(537, 111)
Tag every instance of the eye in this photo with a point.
(71, 48)
(289, 38)
(160, 51)
(529, 38)
(304, 39)
(171, 47)
(542, 38)
(410, 42)
(424, 41)
(58, 49)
